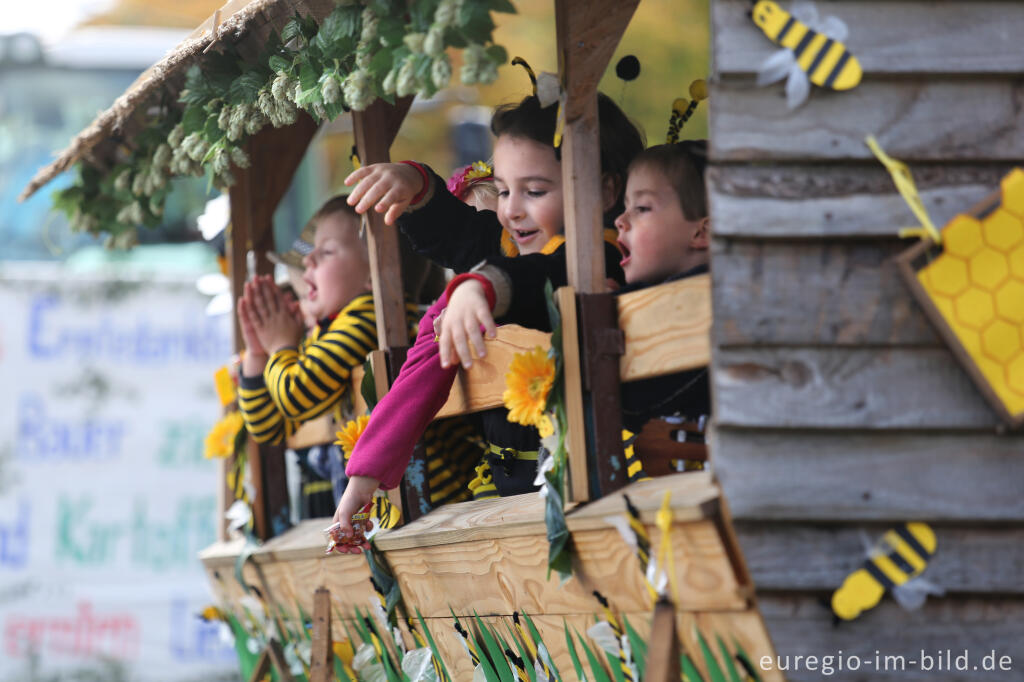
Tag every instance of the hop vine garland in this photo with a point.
(361, 51)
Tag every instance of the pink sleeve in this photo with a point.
(399, 419)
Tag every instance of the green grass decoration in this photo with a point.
(730, 666)
(368, 386)
(433, 646)
(744, 659)
(714, 670)
(637, 646)
(572, 654)
(690, 673)
(381, 573)
(523, 654)
(600, 674)
(537, 642)
(495, 652)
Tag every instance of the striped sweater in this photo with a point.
(301, 384)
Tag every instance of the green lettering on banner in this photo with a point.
(182, 445)
(157, 545)
(80, 540)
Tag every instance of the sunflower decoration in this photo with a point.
(222, 439)
(527, 384)
(350, 433)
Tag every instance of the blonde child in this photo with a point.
(287, 380)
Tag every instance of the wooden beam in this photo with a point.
(322, 655)
(883, 476)
(749, 125)
(374, 131)
(274, 154)
(769, 293)
(666, 326)
(786, 201)
(578, 480)
(587, 32)
(835, 388)
(663, 650)
(603, 345)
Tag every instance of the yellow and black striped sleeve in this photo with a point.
(263, 420)
(306, 383)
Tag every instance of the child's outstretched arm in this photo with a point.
(383, 450)
(439, 226)
(388, 188)
(510, 290)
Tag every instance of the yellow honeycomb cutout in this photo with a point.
(977, 284)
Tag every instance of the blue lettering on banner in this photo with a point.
(43, 436)
(14, 537)
(194, 639)
(196, 338)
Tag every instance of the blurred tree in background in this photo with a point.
(669, 37)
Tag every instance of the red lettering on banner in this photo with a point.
(82, 634)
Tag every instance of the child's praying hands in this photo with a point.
(269, 316)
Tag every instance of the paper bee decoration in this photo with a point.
(812, 50)
(894, 563)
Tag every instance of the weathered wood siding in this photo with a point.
(838, 410)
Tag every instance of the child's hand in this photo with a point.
(273, 319)
(358, 491)
(467, 311)
(255, 358)
(385, 186)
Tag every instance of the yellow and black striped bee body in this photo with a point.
(813, 49)
(893, 564)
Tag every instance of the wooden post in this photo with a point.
(663, 652)
(578, 489)
(588, 32)
(274, 155)
(603, 345)
(322, 656)
(374, 130)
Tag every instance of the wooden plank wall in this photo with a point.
(837, 408)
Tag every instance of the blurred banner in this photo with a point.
(105, 496)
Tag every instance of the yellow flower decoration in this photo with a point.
(220, 442)
(545, 426)
(350, 433)
(527, 384)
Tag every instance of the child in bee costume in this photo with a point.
(528, 176)
(286, 380)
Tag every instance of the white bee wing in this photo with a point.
(621, 524)
(603, 635)
(912, 594)
(798, 86)
(479, 675)
(418, 666)
(835, 28)
(775, 67)
(805, 12)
